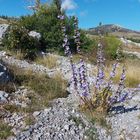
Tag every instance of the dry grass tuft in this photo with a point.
(5, 130)
(45, 88)
(97, 117)
(49, 61)
(132, 73)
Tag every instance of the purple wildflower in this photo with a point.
(123, 97)
(100, 66)
(76, 34)
(84, 85)
(121, 83)
(112, 75)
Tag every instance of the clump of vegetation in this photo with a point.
(49, 61)
(103, 97)
(17, 39)
(45, 88)
(132, 73)
(7, 87)
(45, 22)
(29, 120)
(5, 130)
(11, 107)
(111, 45)
(92, 134)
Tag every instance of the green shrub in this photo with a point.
(17, 39)
(111, 44)
(45, 22)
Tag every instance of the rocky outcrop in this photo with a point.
(35, 34)
(3, 97)
(4, 76)
(3, 28)
(132, 54)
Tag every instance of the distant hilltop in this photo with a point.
(115, 30)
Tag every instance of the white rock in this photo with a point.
(35, 34)
(4, 77)
(3, 96)
(36, 113)
(3, 28)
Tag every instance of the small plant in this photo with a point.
(29, 120)
(78, 121)
(92, 134)
(5, 130)
(49, 61)
(11, 107)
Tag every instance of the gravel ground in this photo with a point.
(63, 121)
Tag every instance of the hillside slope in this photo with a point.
(114, 30)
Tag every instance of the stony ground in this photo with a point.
(63, 120)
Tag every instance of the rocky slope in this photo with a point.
(63, 120)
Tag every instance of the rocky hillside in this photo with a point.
(115, 30)
(3, 21)
(63, 120)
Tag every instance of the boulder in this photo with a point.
(35, 34)
(3, 97)
(3, 28)
(4, 76)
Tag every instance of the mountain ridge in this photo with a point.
(114, 29)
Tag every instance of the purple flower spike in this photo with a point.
(123, 98)
(76, 34)
(121, 83)
(61, 17)
(84, 85)
(100, 66)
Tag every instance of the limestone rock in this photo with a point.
(4, 76)
(35, 34)
(3, 28)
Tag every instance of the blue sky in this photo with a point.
(90, 12)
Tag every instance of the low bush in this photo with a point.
(111, 45)
(45, 22)
(17, 39)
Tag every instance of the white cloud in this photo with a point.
(68, 5)
(83, 13)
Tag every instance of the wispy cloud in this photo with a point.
(68, 4)
(83, 13)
